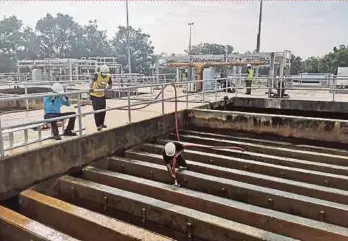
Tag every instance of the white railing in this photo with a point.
(219, 85)
(8, 131)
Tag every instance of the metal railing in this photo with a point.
(222, 85)
(8, 131)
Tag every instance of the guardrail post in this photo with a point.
(334, 88)
(271, 76)
(281, 87)
(187, 86)
(215, 87)
(129, 105)
(162, 99)
(2, 152)
(79, 112)
(203, 91)
(226, 86)
(26, 93)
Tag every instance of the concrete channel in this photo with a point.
(289, 184)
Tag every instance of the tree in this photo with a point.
(296, 64)
(29, 45)
(59, 36)
(328, 63)
(10, 40)
(94, 42)
(209, 48)
(142, 51)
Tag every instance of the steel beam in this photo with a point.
(283, 224)
(276, 160)
(83, 224)
(194, 223)
(310, 190)
(297, 174)
(291, 203)
(269, 150)
(16, 227)
(250, 138)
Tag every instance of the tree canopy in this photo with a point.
(209, 48)
(61, 36)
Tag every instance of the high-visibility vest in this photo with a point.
(250, 74)
(100, 83)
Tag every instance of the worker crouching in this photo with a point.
(52, 105)
(172, 157)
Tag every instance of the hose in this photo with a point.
(177, 125)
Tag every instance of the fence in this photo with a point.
(220, 85)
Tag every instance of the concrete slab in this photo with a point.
(316, 129)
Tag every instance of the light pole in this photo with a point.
(259, 32)
(128, 42)
(190, 68)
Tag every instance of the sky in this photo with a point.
(307, 28)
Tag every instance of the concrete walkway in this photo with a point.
(116, 118)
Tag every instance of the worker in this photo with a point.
(52, 105)
(173, 150)
(249, 79)
(100, 81)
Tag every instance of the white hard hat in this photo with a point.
(104, 69)
(169, 149)
(248, 65)
(58, 88)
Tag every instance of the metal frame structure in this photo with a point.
(67, 69)
(281, 61)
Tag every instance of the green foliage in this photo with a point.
(326, 64)
(142, 51)
(61, 36)
(208, 48)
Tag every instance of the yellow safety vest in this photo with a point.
(250, 74)
(100, 83)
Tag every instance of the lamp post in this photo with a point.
(128, 42)
(190, 68)
(259, 32)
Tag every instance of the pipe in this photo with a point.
(201, 65)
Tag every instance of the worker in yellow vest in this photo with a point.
(249, 79)
(100, 82)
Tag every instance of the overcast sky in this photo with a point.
(307, 28)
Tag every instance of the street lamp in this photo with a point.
(190, 68)
(259, 32)
(128, 42)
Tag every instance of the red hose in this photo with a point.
(193, 145)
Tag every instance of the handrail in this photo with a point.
(127, 107)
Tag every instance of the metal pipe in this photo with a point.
(190, 69)
(162, 100)
(129, 107)
(128, 41)
(271, 76)
(79, 116)
(187, 86)
(259, 32)
(2, 152)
